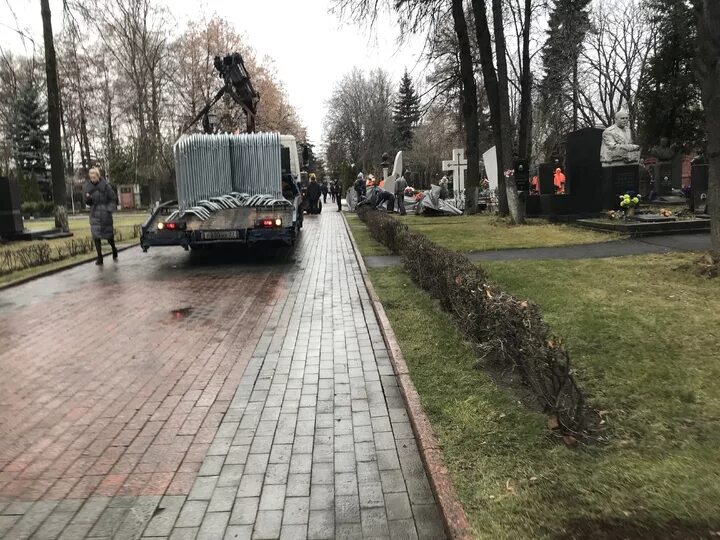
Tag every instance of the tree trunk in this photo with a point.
(57, 170)
(490, 80)
(524, 135)
(709, 76)
(469, 107)
(513, 200)
(575, 105)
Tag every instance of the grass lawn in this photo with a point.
(487, 233)
(80, 227)
(366, 244)
(644, 339)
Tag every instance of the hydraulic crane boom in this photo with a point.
(231, 69)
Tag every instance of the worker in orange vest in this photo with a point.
(559, 181)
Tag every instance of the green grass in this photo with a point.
(644, 339)
(366, 244)
(487, 233)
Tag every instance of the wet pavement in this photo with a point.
(182, 396)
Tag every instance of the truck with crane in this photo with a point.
(239, 188)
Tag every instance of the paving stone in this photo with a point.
(428, 522)
(250, 485)
(244, 511)
(277, 473)
(222, 499)
(301, 463)
(322, 497)
(267, 525)
(346, 483)
(321, 524)
(213, 526)
(374, 522)
(347, 509)
(348, 531)
(387, 460)
(296, 511)
(192, 514)
(273, 497)
(230, 475)
(403, 529)
(298, 485)
(257, 463)
(371, 494)
(165, 516)
(238, 532)
(293, 532)
(322, 473)
(393, 482)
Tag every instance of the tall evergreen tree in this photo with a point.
(568, 23)
(30, 138)
(669, 96)
(406, 112)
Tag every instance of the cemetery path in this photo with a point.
(172, 395)
(616, 248)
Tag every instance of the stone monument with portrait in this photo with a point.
(620, 159)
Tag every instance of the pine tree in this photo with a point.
(30, 138)
(669, 96)
(568, 24)
(406, 113)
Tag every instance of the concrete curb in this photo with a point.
(451, 510)
(58, 269)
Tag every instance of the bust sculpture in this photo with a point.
(663, 151)
(617, 146)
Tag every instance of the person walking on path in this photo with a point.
(324, 189)
(313, 192)
(400, 187)
(101, 198)
(337, 193)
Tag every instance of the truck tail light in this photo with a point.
(269, 223)
(171, 225)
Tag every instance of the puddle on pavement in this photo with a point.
(181, 313)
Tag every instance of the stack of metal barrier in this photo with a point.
(214, 172)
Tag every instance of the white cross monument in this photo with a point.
(458, 166)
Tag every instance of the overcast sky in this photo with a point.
(310, 47)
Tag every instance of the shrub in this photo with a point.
(507, 332)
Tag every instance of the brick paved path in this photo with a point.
(268, 409)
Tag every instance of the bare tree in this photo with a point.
(708, 69)
(57, 170)
(614, 60)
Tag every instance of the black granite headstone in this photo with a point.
(617, 181)
(664, 178)
(546, 172)
(11, 223)
(522, 175)
(699, 176)
(583, 170)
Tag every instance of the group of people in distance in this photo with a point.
(372, 192)
(316, 189)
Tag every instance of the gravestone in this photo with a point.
(699, 175)
(583, 169)
(617, 181)
(522, 175)
(490, 162)
(546, 172)
(11, 223)
(458, 167)
(664, 178)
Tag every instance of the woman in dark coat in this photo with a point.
(313, 192)
(101, 198)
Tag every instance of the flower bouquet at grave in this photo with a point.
(628, 204)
